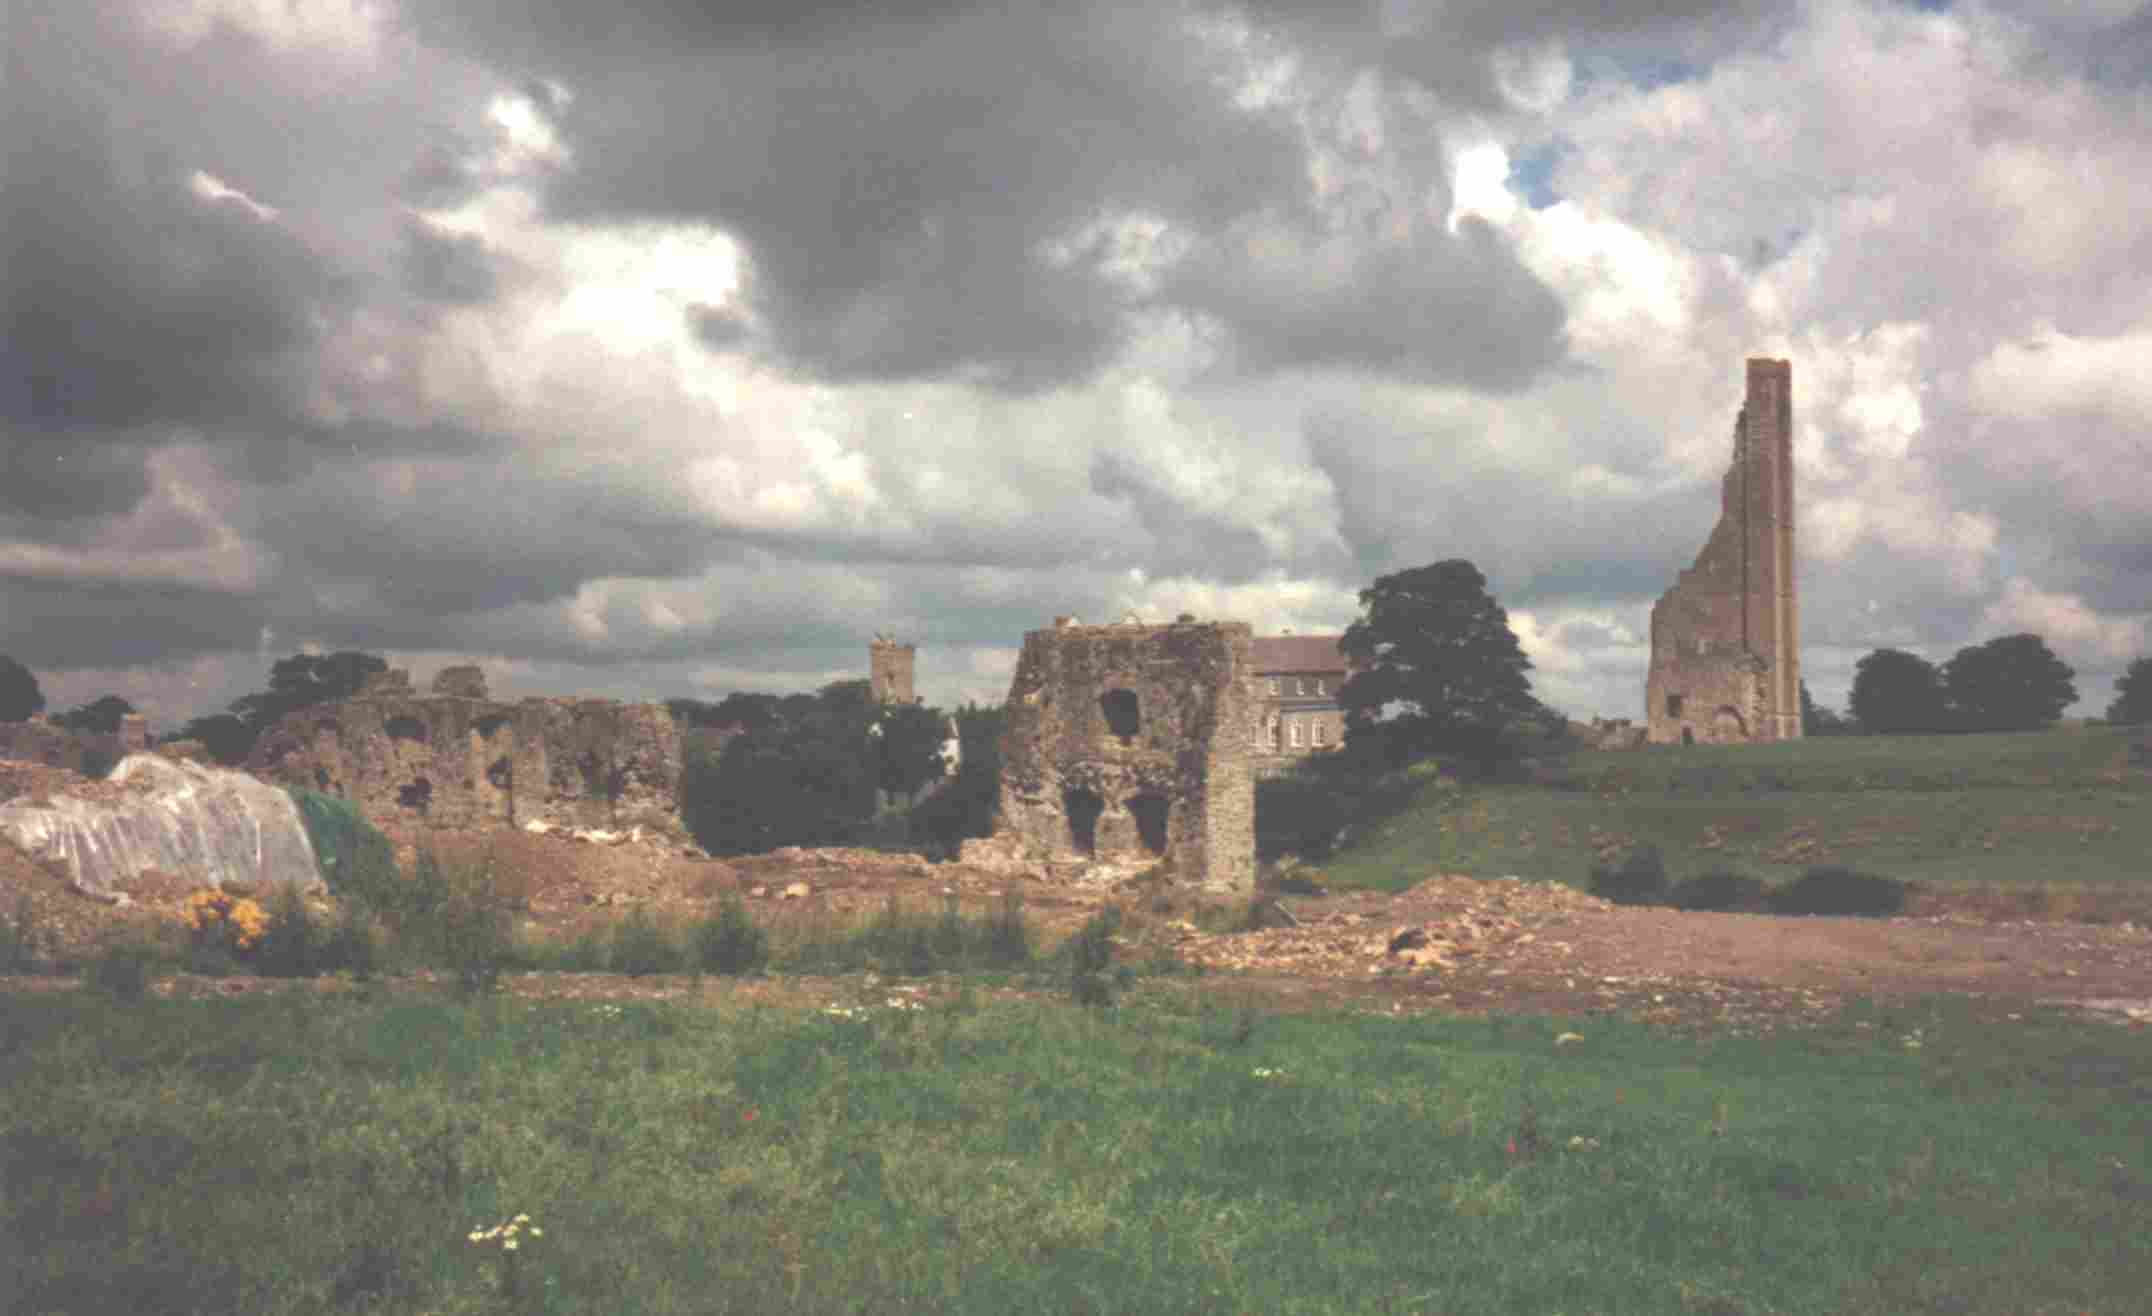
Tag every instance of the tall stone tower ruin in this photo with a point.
(1725, 640)
(889, 668)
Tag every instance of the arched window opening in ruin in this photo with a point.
(1083, 808)
(416, 795)
(1149, 811)
(407, 728)
(491, 723)
(1122, 717)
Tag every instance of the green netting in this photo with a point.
(343, 840)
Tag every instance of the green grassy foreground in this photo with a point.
(337, 1155)
(2050, 807)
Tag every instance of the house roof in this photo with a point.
(1296, 653)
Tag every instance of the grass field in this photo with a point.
(338, 1154)
(2053, 807)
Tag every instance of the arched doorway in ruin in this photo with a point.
(1727, 728)
(1149, 810)
(1083, 806)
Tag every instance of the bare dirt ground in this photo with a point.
(1449, 943)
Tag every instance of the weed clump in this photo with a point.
(20, 938)
(121, 969)
(1008, 937)
(1640, 878)
(1723, 890)
(731, 944)
(1090, 953)
(641, 948)
(1835, 890)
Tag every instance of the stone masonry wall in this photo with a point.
(1725, 640)
(1132, 742)
(450, 760)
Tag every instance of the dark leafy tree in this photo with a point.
(2012, 683)
(1817, 720)
(2133, 695)
(808, 778)
(19, 695)
(227, 739)
(967, 806)
(1895, 693)
(305, 679)
(908, 747)
(101, 716)
(1437, 668)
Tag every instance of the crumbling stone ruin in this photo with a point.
(1134, 743)
(890, 668)
(457, 759)
(1725, 640)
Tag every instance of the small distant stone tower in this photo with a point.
(889, 667)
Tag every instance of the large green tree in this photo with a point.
(1895, 692)
(306, 679)
(1819, 720)
(101, 715)
(2133, 695)
(19, 695)
(2011, 683)
(1437, 669)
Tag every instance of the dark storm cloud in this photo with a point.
(919, 198)
(1413, 493)
(129, 298)
(1183, 540)
(84, 623)
(455, 268)
(1437, 308)
(62, 484)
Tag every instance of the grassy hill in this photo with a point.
(2047, 807)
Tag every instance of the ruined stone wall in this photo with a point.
(1725, 640)
(1132, 743)
(452, 760)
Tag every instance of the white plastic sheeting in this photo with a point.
(206, 824)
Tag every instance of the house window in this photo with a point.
(1273, 685)
(1270, 734)
(1319, 685)
(1316, 731)
(1303, 685)
(1673, 705)
(1294, 729)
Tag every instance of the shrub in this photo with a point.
(352, 944)
(20, 937)
(1090, 953)
(641, 948)
(1640, 879)
(731, 944)
(461, 916)
(1719, 891)
(355, 859)
(291, 944)
(1839, 891)
(1008, 938)
(220, 919)
(121, 969)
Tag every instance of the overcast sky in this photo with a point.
(651, 349)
